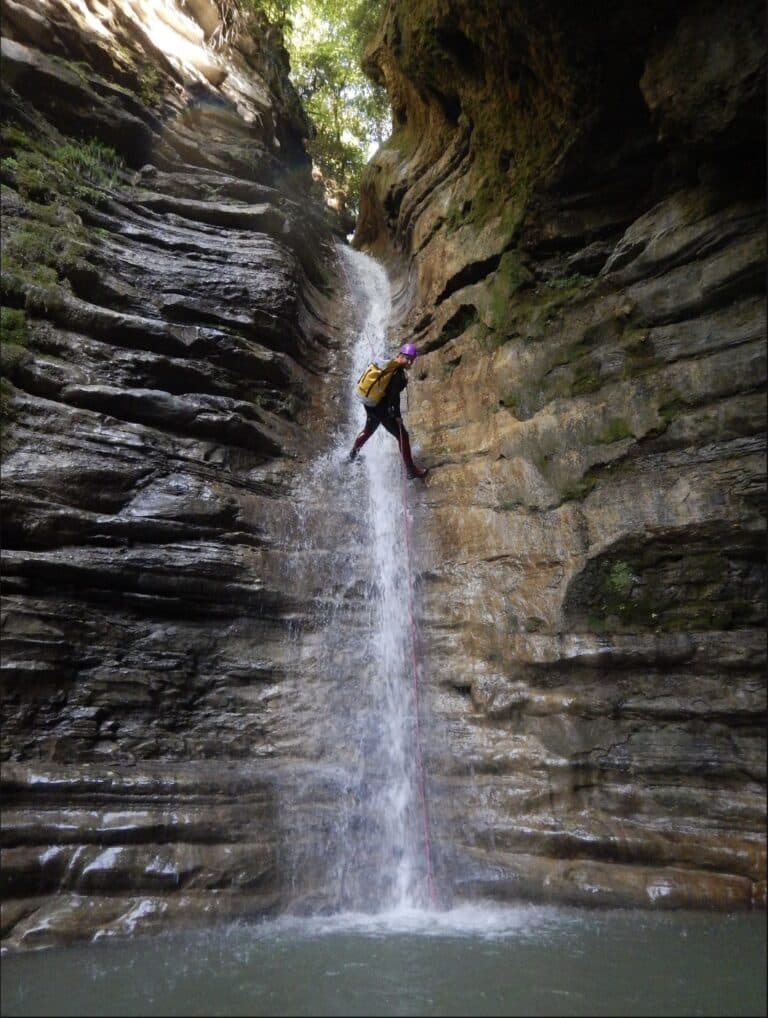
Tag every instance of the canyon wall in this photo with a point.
(571, 206)
(169, 337)
(571, 212)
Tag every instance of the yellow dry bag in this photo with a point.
(373, 382)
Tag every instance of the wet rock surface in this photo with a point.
(573, 215)
(169, 346)
(571, 210)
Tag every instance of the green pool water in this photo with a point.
(469, 961)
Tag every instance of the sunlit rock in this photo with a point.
(571, 206)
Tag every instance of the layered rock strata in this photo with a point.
(571, 210)
(571, 206)
(167, 333)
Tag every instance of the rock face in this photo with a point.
(571, 207)
(571, 211)
(167, 329)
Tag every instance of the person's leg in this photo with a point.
(396, 427)
(371, 424)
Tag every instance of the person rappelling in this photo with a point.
(378, 389)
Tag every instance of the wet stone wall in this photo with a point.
(170, 338)
(572, 209)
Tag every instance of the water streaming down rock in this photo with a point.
(367, 849)
(392, 726)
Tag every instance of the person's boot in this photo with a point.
(417, 472)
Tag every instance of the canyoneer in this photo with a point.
(379, 389)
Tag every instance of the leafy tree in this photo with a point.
(325, 40)
(351, 114)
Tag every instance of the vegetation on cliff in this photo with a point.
(325, 41)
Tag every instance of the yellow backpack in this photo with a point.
(373, 382)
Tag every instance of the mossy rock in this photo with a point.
(77, 170)
(13, 342)
(675, 583)
(578, 490)
(12, 357)
(511, 275)
(6, 398)
(615, 430)
(13, 326)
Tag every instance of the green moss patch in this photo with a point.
(44, 242)
(687, 581)
(77, 170)
(13, 353)
(43, 254)
(578, 490)
(13, 326)
(510, 276)
(13, 340)
(614, 431)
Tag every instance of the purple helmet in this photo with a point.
(408, 349)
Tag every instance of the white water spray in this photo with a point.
(391, 762)
(355, 831)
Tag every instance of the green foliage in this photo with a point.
(43, 240)
(14, 137)
(325, 40)
(278, 12)
(91, 160)
(79, 169)
(13, 326)
(573, 282)
(619, 579)
(35, 251)
(150, 85)
(351, 114)
(617, 582)
(13, 338)
(12, 356)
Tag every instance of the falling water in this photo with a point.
(393, 757)
(357, 833)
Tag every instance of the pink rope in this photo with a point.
(415, 663)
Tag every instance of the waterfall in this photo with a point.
(358, 829)
(390, 765)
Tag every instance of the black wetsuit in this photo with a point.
(387, 413)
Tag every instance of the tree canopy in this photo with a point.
(325, 41)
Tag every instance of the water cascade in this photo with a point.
(394, 759)
(375, 843)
